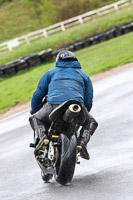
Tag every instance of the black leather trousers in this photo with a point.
(42, 118)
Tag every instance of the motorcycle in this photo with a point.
(60, 155)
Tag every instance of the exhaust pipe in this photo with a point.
(71, 113)
(74, 108)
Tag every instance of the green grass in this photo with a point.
(19, 17)
(60, 39)
(95, 59)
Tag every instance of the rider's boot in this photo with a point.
(40, 134)
(43, 139)
(84, 139)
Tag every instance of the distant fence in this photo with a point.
(61, 26)
(44, 56)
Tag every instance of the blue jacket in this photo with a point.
(64, 82)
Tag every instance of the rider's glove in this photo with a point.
(32, 112)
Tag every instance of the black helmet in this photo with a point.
(66, 55)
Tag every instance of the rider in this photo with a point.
(64, 82)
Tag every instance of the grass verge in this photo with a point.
(60, 39)
(95, 59)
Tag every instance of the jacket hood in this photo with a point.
(68, 64)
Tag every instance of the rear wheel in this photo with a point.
(65, 165)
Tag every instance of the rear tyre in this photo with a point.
(65, 165)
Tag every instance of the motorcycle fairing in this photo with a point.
(58, 112)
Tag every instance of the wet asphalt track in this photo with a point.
(109, 173)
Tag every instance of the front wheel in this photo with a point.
(65, 165)
(46, 177)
